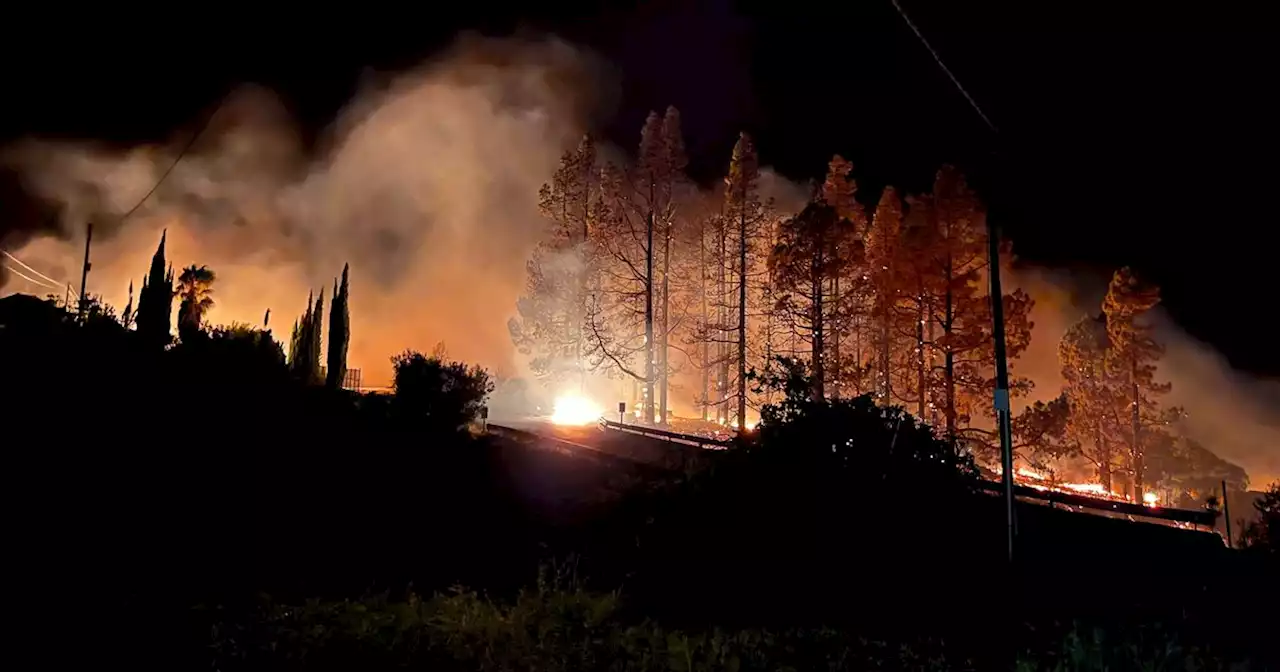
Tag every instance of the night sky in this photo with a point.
(1126, 136)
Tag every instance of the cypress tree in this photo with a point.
(339, 333)
(305, 342)
(126, 317)
(300, 344)
(155, 301)
(314, 331)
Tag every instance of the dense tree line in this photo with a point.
(647, 277)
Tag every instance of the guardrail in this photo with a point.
(665, 435)
(1195, 517)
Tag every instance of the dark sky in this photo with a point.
(1134, 136)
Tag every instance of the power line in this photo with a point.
(938, 59)
(204, 125)
(31, 280)
(32, 270)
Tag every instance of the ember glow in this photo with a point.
(1034, 479)
(573, 409)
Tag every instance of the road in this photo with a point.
(595, 443)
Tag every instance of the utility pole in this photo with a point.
(1002, 378)
(1226, 512)
(84, 274)
(997, 300)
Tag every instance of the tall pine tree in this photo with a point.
(637, 221)
(744, 216)
(804, 262)
(1093, 395)
(882, 250)
(849, 288)
(672, 182)
(559, 275)
(1133, 362)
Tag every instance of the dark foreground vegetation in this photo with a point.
(201, 505)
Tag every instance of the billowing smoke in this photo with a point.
(1235, 415)
(426, 184)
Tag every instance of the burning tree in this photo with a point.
(1092, 393)
(849, 290)
(960, 308)
(637, 224)
(671, 188)
(553, 310)
(805, 265)
(707, 235)
(1178, 466)
(883, 247)
(1132, 360)
(738, 267)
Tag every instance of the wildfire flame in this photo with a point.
(1039, 481)
(572, 409)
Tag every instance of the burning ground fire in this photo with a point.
(1040, 481)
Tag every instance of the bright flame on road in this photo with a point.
(572, 409)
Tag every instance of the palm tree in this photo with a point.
(195, 288)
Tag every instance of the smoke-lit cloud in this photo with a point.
(426, 184)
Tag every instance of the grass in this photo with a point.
(558, 626)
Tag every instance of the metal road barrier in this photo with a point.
(1204, 517)
(665, 435)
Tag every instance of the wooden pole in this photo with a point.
(84, 273)
(1226, 512)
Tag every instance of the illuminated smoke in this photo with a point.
(427, 186)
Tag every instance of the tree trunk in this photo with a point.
(742, 311)
(1104, 461)
(1138, 466)
(920, 373)
(886, 384)
(706, 346)
(948, 362)
(836, 364)
(665, 346)
(648, 317)
(857, 355)
(816, 318)
(722, 318)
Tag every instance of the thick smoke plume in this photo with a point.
(427, 185)
(1235, 415)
